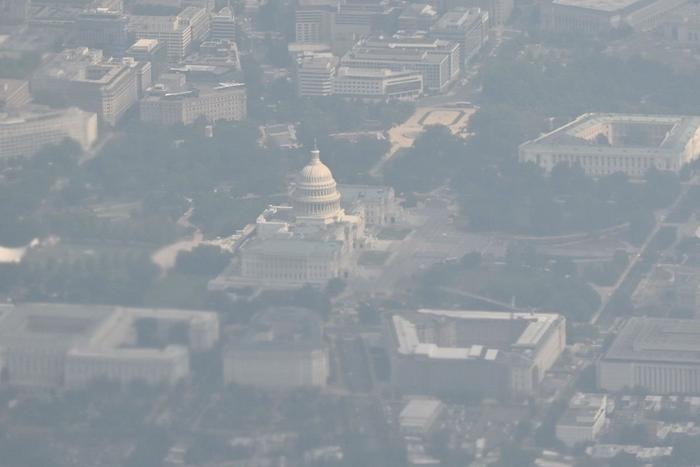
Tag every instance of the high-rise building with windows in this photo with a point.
(437, 60)
(223, 25)
(102, 29)
(174, 33)
(83, 77)
(467, 27)
(316, 74)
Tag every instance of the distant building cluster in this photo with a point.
(111, 67)
(425, 57)
(443, 352)
(52, 345)
(603, 144)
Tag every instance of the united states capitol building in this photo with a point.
(317, 237)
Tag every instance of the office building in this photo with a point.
(437, 60)
(358, 20)
(198, 21)
(482, 353)
(382, 84)
(467, 27)
(316, 74)
(417, 17)
(584, 419)
(595, 17)
(420, 416)
(223, 26)
(82, 77)
(14, 12)
(314, 24)
(499, 11)
(215, 62)
(25, 131)
(682, 26)
(603, 144)
(660, 356)
(172, 31)
(102, 29)
(59, 345)
(149, 51)
(282, 349)
(175, 101)
(208, 5)
(14, 93)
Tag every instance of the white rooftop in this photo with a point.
(599, 5)
(409, 342)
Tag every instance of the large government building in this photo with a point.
(661, 356)
(282, 348)
(314, 239)
(603, 144)
(52, 345)
(596, 16)
(23, 132)
(487, 353)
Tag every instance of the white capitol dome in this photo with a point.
(315, 195)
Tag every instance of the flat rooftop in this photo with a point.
(584, 410)
(654, 134)
(37, 113)
(356, 72)
(81, 64)
(146, 45)
(607, 6)
(657, 340)
(52, 324)
(285, 328)
(419, 409)
(534, 328)
(457, 19)
(89, 326)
